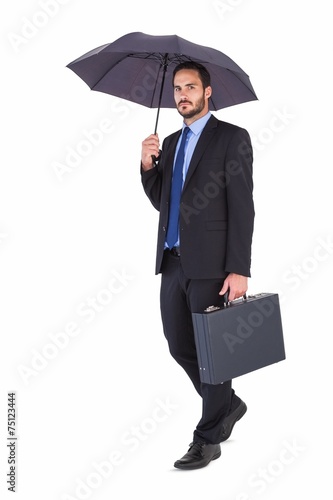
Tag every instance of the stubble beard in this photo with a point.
(199, 106)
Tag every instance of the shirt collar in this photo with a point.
(197, 126)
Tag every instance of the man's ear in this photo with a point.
(208, 92)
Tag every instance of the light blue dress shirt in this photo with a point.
(191, 141)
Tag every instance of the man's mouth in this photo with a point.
(184, 103)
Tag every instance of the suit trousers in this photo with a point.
(179, 298)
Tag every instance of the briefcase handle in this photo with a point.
(228, 303)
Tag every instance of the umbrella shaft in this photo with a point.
(165, 65)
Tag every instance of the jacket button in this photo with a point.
(164, 228)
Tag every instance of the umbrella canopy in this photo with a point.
(138, 67)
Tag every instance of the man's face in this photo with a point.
(190, 97)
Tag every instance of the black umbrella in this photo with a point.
(136, 67)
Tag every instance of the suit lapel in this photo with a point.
(204, 140)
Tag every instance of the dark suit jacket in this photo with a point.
(217, 212)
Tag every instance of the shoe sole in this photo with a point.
(242, 413)
(191, 467)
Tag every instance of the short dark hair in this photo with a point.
(203, 72)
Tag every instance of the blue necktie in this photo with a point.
(176, 189)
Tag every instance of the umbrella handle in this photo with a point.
(154, 159)
(155, 131)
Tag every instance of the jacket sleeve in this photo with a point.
(239, 187)
(152, 183)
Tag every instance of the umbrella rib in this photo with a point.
(236, 75)
(165, 60)
(148, 55)
(154, 66)
(211, 70)
(106, 72)
(134, 56)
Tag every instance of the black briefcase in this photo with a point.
(243, 336)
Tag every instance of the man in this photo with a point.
(204, 239)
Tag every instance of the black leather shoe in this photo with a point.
(199, 455)
(231, 419)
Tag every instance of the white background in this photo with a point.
(64, 239)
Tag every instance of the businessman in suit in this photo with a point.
(204, 239)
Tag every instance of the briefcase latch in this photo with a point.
(211, 309)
